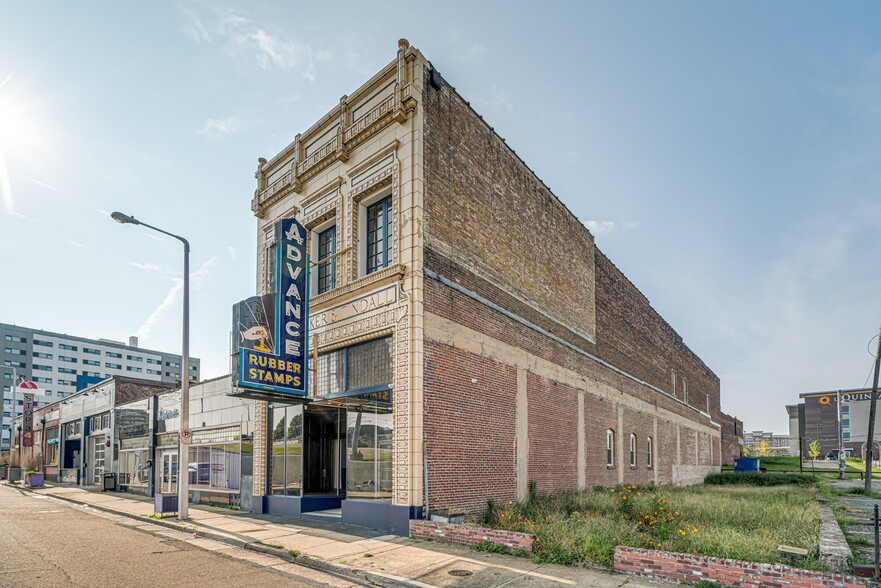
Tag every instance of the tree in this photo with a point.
(278, 433)
(764, 449)
(814, 451)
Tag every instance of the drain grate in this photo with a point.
(460, 573)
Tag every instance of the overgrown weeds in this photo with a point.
(736, 522)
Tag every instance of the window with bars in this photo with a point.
(326, 267)
(379, 235)
(358, 367)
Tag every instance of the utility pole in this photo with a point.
(869, 437)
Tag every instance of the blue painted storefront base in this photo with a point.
(362, 513)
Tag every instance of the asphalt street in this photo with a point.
(47, 542)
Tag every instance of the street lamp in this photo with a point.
(183, 473)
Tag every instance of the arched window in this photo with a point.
(632, 450)
(610, 448)
(649, 452)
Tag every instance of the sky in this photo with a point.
(726, 157)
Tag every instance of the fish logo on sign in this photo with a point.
(275, 359)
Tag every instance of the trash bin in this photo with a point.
(109, 483)
(746, 465)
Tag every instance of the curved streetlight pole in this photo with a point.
(183, 467)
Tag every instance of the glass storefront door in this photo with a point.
(169, 472)
(97, 459)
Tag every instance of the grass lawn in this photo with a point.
(723, 521)
(825, 468)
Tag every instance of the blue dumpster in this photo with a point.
(746, 465)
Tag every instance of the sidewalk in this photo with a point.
(384, 560)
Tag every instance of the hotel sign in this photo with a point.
(272, 342)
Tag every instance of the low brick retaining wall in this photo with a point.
(468, 535)
(685, 568)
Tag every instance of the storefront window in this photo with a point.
(133, 457)
(52, 446)
(368, 450)
(286, 461)
(216, 460)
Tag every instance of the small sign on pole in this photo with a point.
(185, 436)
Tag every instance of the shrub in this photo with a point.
(757, 479)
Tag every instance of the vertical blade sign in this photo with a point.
(283, 369)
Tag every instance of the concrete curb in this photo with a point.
(307, 561)
(834, 550)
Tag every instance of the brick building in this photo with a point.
(732, 438)
(467, 333)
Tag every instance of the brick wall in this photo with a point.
(469, 535)
(469, 435)
(732, 435)
(692, 569)
(493, 228)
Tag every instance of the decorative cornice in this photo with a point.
(391, 274)
(322, 191)
(378, 156)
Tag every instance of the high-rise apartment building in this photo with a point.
(54, 360)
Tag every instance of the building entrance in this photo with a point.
(324, 469)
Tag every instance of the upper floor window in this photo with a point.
(673, 378)
(326, 267)
(134, 358)
(42, 355)
(379, 235)
(17, 339)
(42, 343)
(16, 351)
(67, 359)
(113, 354)
(845, 409)
(684, 389)
(67, 347)
(172, 364)
(92, 351)
(154, 361)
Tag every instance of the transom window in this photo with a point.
(326, 267)
(365, 367)
(379, 235)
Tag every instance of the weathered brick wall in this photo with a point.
(732, 438)
(633, 337)
(552, 434)
(469, 535)
(485, 208)
(492, 228)
(470, 435)
(692, 569)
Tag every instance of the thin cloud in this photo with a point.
(598, 228)
(197, 278)
(217, 128)
(147, 266)
(75, 243)
(240, 36)
(39, 183)
(232, 253)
